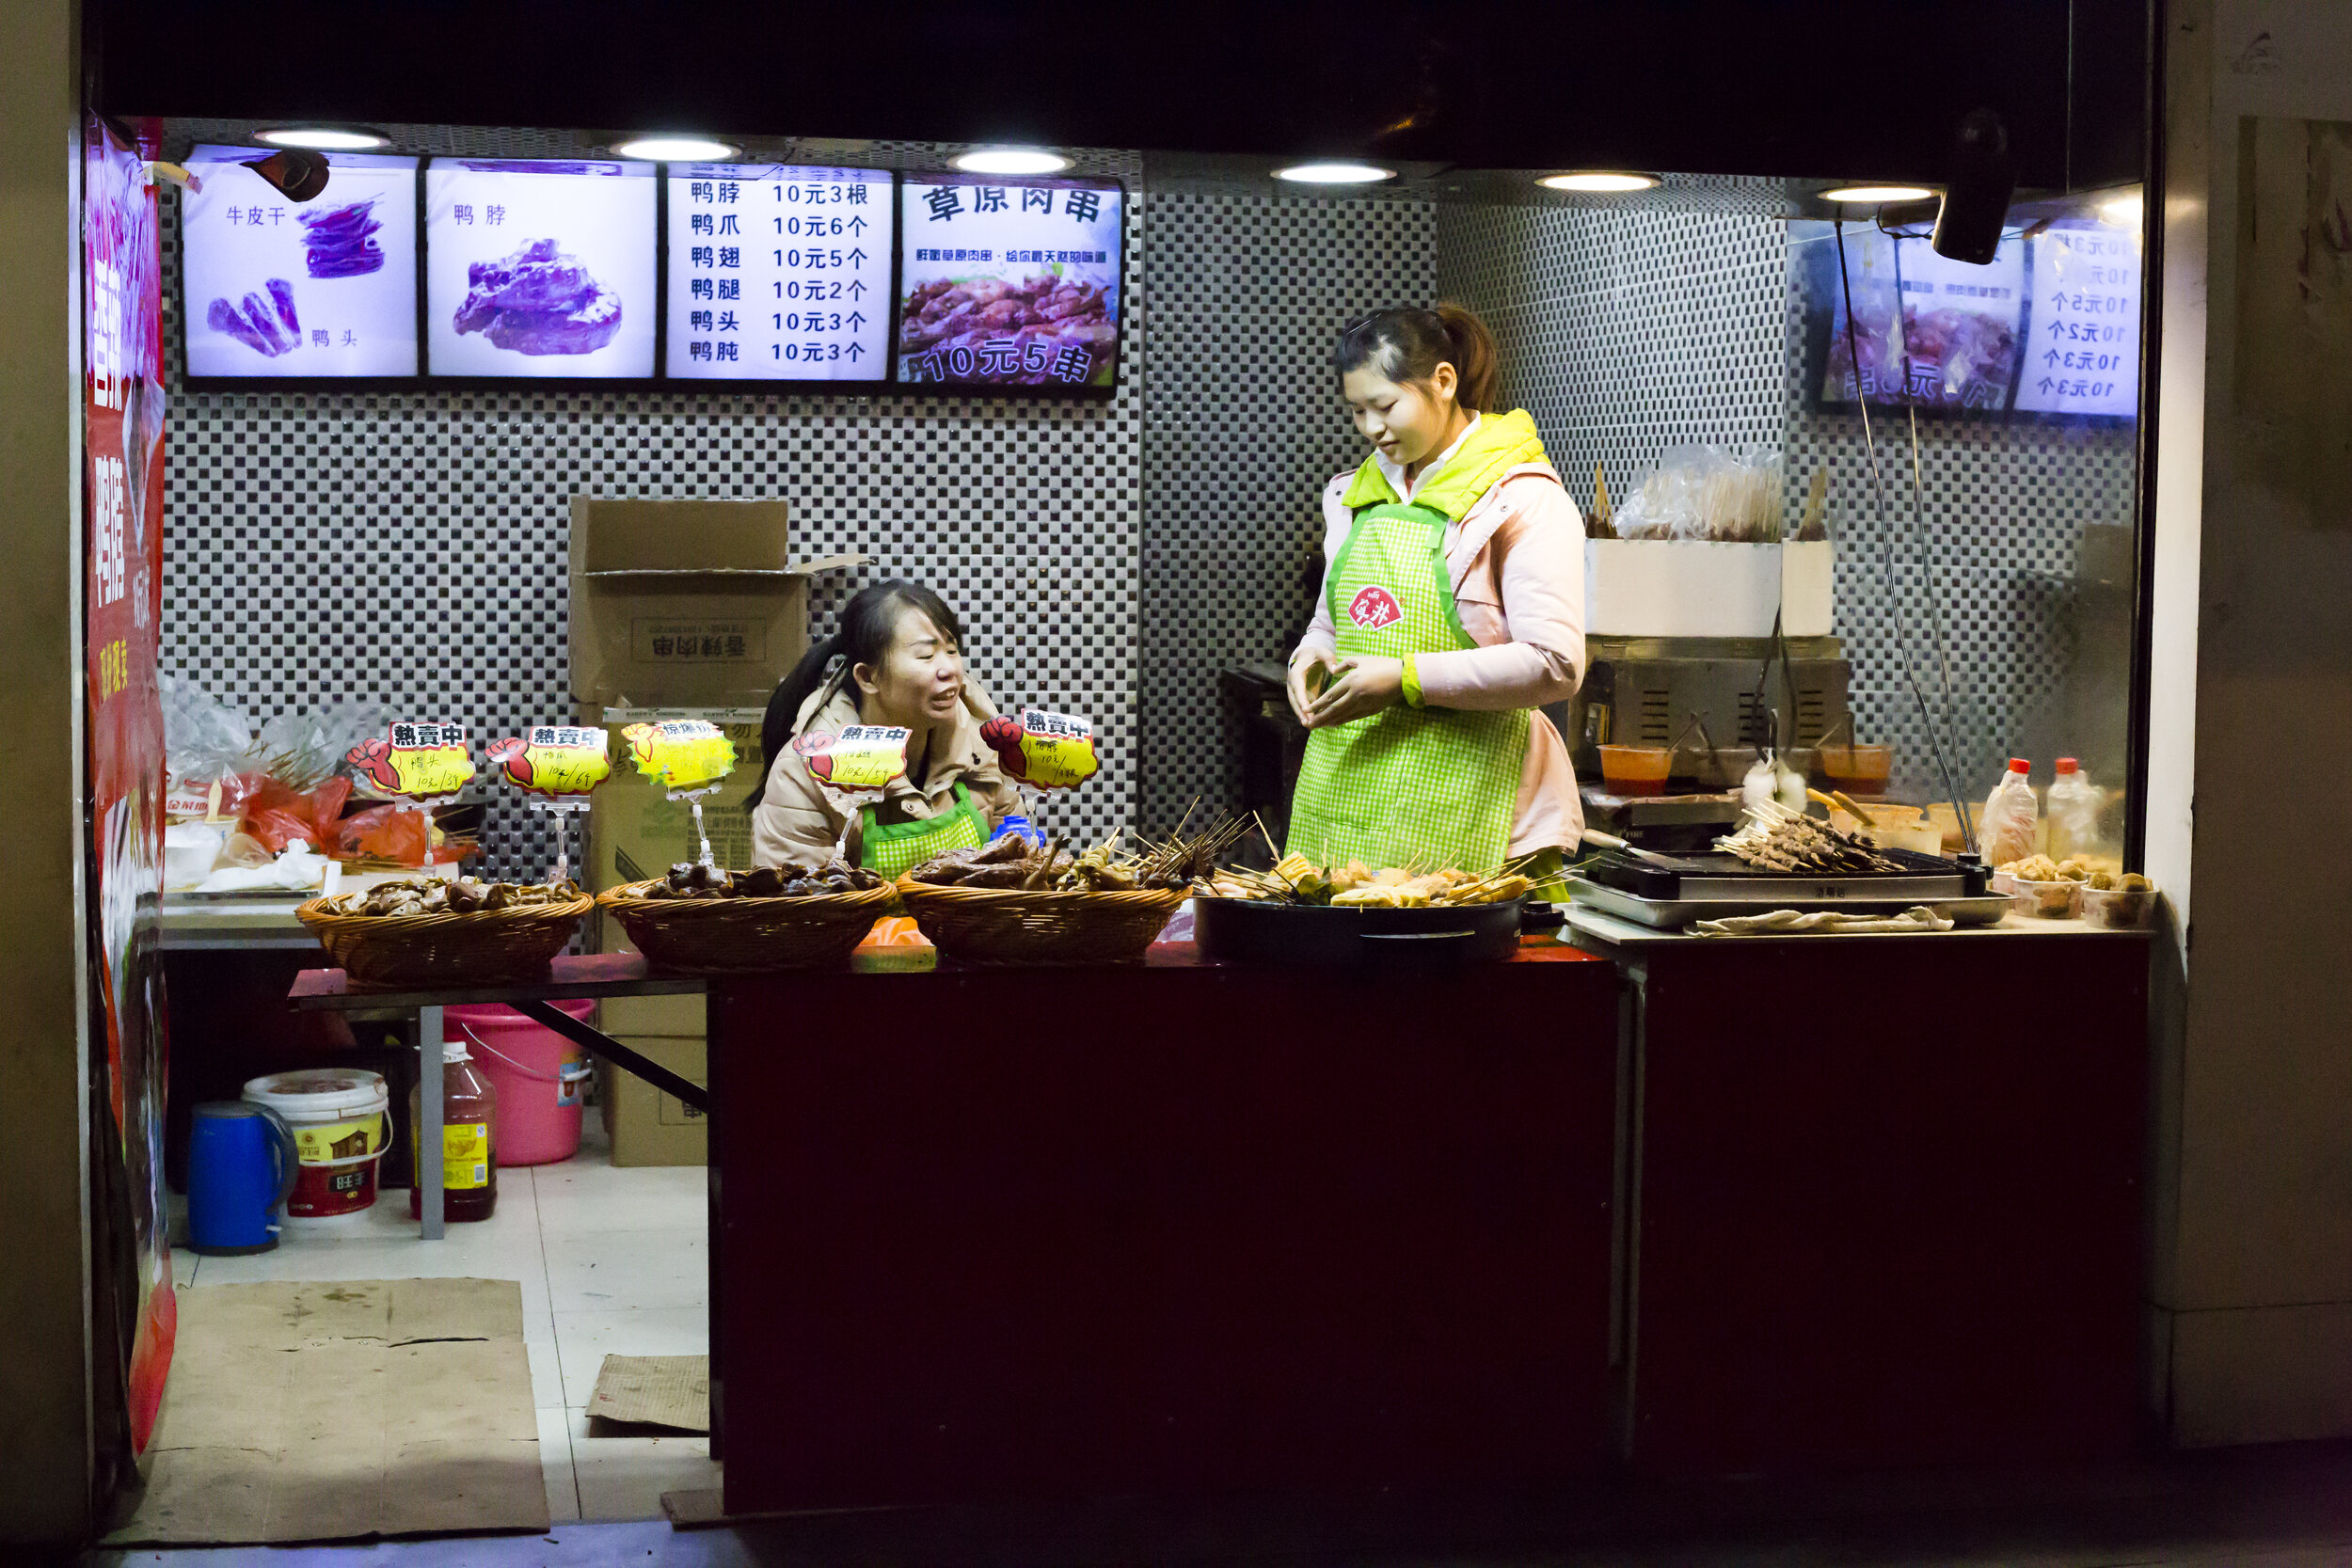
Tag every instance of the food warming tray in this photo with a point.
(1243, 931)
(1674, 914)
(1722, 879)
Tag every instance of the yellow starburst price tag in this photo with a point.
(681, 754)
(1044, 751)
(419, 761)
(554, 759)
(861, 759)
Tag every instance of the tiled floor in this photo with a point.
(610, 1261)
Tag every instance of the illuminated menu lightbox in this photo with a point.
(1009, 283)
(539, 269)
(778, 273)
(2082, 348)
(323, 289)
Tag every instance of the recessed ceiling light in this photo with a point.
(1598, 180)
(1335, 174)
(1010, 160)
(324, 139)
(1877, 195)
(674, 149)
(2123, 211)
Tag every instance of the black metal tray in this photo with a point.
(1718, 878)
(1239, 930)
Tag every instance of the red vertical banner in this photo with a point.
(122, 601)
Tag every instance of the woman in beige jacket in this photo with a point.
(898, 660)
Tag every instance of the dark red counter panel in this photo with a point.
(993, 1232)
(1889, 1204)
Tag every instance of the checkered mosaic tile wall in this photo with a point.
(411, 546)
(1243, 428)
(1626, 333)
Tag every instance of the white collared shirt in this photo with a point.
(1395, 472)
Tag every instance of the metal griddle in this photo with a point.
(1718, 879)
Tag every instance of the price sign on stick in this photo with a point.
(415, 760)
(558, 765)
(1046, 751)
(554, 759)
(860, 759)
(682, 753)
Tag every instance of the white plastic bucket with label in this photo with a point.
(343, 1122)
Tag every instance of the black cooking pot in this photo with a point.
(1244, 931)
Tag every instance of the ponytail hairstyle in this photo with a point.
(1407, 344)
(863, 635)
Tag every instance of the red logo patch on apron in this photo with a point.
(1374, 608)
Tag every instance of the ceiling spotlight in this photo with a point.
(1872, 196)
(324, 139)
(1335, 174)
(1975, 198)
(1598, 180)
(294, 174)
(674, 149)
(1010, 160)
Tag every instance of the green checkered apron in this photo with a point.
(894, 848)
(1426, 788)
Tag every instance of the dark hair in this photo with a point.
(862, 637)
(1408, 344)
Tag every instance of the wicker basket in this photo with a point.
(746, 936)
(1008, 926)
(479, 947)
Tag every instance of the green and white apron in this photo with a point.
(1409, 786)
(894, 848)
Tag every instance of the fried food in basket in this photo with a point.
(463, 896)
(693, 880)
(1296, 880)
(1014, 862)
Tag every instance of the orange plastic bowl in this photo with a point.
(1636, 769)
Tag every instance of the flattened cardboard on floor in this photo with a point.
(686, 601)
(654, 1390)
(324, 1411)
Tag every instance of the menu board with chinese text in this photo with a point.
(1009, 283)
(539, 269)
(2082, 350)
(324, 288)
(1957, 346)
(778, 273)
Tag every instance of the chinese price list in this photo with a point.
(2082, 351)
(1009, 284)
(281, 287)
(778, 273)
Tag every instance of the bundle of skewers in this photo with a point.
(1015, 863)
(1773, 837)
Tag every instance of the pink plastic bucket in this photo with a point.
(538, 1075)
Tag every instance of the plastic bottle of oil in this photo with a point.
(469, 1171)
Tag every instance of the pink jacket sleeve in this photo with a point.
(1335, 522)
(1539, 568)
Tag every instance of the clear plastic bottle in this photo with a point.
(469, 1172)
(2011, 815)
(2072, 809)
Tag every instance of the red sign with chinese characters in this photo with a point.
(1374, 608)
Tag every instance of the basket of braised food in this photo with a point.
(700, 920)
(1019, 902)
(427, 930)
(1303, 914)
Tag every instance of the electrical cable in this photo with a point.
(1887, 532)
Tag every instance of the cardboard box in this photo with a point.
(686, 601)
(647, 1126)
(636, 830)
(1696, 588)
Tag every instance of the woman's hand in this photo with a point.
(1302, 684)
(1362, 688)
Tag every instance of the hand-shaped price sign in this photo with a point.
(419, 761)
(689, 757)
(1046, 751)
(557, 765)
(861, 759)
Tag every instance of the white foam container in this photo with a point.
(1685, 588)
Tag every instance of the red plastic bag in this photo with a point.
(276, 815)
(400, 834)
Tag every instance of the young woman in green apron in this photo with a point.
(1451, 611)
(898, 659)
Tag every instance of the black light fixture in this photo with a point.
(1976, 200)
(294, 174)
